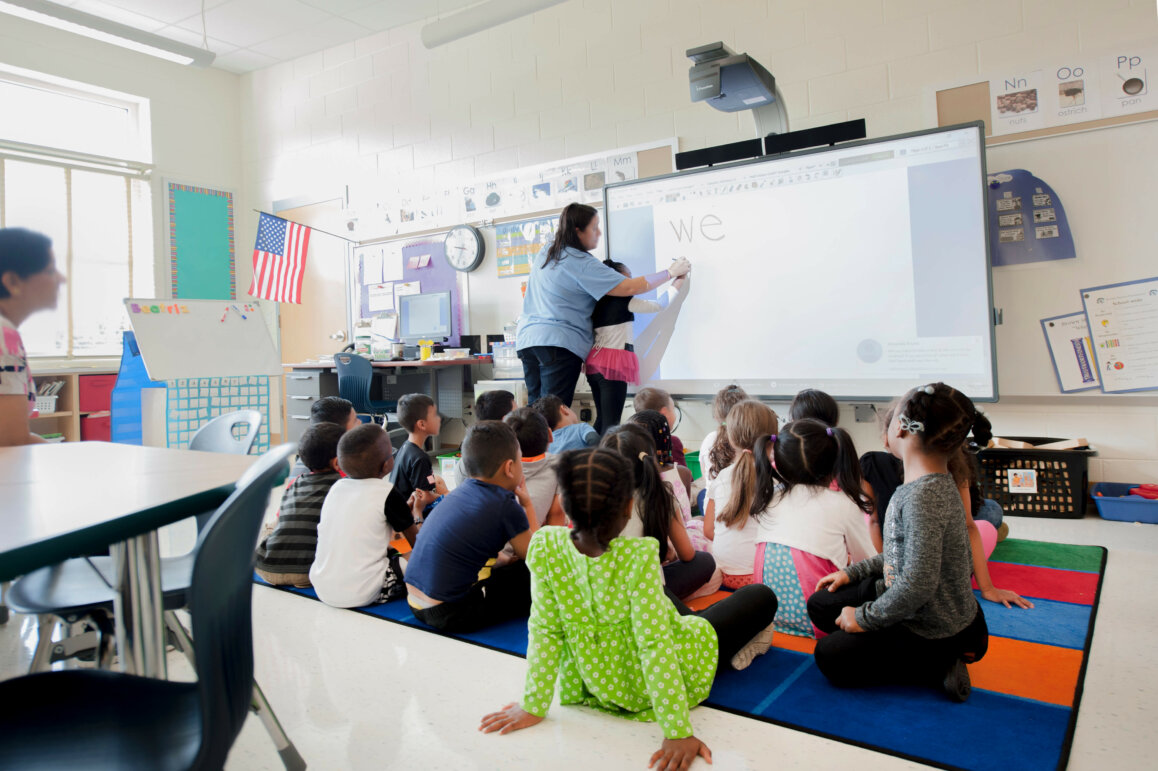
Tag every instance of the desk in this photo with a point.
(307, 382)
(59, 501)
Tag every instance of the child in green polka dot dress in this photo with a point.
(602, 626)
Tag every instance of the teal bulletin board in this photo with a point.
(202, 262)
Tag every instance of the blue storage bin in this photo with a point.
(1117, 503)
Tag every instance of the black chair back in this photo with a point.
(220, 602)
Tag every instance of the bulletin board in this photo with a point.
(432, 274)
(202, 258)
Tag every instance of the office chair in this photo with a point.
(102, 719)
(217, 434)
(355, 383)
(81, 590)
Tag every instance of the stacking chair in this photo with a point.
(101, 719)
(355, 376)
(217, 434)
(81, 590)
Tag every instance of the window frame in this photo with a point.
(138, 168)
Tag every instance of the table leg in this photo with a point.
(138, 607)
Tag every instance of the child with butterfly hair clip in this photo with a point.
(909, 615)
(805, 528)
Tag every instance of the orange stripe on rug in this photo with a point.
(1030, 670)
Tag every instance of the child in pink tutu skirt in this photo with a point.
(612, 363)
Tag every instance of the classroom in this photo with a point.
(421, 159)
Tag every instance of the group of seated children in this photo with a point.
(598, 544)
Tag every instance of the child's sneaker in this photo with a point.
(757, 646)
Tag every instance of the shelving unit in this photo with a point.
(66, 420)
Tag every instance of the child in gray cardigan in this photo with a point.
(908, 615)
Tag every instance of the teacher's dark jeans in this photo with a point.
(550, 370)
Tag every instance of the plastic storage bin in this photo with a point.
(96, 428)
(95, 392)
(1036, 483)
(46, 405)
(693, 460)
(1117, 503)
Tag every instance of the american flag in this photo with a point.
(279, 260)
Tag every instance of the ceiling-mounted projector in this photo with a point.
(732, 82)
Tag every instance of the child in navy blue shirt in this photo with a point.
(452, 582)
(569, 432)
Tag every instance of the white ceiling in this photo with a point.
(247, 35)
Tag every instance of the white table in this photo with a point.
(59, 501)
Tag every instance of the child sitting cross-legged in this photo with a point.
(728, 521)
(909, 615)
(804, 528)
(413, 471)
(568, 432)
(538, 467)
(284, 557)
(353, 565)
(452, 581)
(687, 572)
(602, 628)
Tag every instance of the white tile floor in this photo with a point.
(356, 692)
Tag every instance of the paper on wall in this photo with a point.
(371, 257)
(391, 262)
(1072, 353)
(404, 288)
(381, 298)
(1123, 320)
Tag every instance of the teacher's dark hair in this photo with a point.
(23, 252)
(575, 217)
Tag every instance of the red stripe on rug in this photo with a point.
(1045, 583)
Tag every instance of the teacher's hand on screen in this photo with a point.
(679, 268)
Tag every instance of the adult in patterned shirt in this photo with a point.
(29, 282)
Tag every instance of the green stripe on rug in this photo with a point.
(1049, 555)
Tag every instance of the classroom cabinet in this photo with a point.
(303, 387)
(83, 400)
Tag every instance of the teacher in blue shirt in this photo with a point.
(554, 334)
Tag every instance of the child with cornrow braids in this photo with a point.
(602, 627)
(909, 614)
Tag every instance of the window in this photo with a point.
(74, 166)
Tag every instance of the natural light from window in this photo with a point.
(99, 216)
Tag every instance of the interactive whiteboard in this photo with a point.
(202, 338)
(861, 270)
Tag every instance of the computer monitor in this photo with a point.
(424, 316)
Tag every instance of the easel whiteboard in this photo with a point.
(202, 338)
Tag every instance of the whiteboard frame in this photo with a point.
(984, 191)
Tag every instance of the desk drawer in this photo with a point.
(304, 383)
(296, 425)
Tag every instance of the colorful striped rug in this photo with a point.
(1026, 691)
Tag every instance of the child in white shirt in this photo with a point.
(805, 529)
(727, 520)
(352, 566)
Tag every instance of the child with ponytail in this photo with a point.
(602, 629)
(716, 452)
(727, 521)
(909, 615)
(810, 513)
(687, 572)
